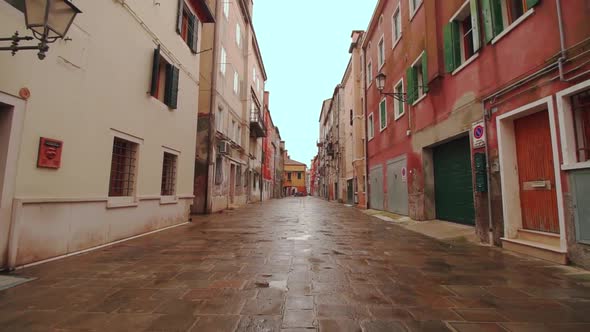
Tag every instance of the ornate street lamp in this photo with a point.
(49, 20)
(380, 81)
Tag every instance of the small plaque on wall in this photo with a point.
(49, 153)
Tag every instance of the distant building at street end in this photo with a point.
(294, 179)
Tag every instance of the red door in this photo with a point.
(538, 197)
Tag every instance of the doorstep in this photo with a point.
(9, 281)
(540, 245)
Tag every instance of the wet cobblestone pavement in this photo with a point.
(298, 264)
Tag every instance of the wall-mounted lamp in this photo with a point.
(49, 20)
(380, 81)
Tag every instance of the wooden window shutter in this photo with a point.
(179, 17)
(194, 37)
(449, 47)
(412, 86)
(492, 18)
(171, 94)
(155, 72)
(424, 72)
(532, 3)
(474, 5)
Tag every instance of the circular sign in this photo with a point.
(478, 132)
(404, 172)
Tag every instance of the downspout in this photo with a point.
(207, 202)
(563, 56)
(489, 175)
(363, 82)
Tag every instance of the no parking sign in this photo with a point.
(478, 132)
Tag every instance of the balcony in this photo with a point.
(257, 126)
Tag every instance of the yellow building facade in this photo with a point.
(294, 178)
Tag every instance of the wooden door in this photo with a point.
(232, 183)
(536, 174)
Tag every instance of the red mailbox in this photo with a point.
(49, 153)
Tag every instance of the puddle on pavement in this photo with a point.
(300, 238)
(281, 284)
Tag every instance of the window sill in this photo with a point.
(395, 43)
(413, 13)
(465, 64)
(121, 202)
(382, 129)
(576, 166)
(168, 200)
(395, 118)
(420, 99)
(513, 25)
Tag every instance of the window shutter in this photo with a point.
(532, 3)
(411, 78)
(193, 37)
(424, 72)
(382, 114)
(497, 17)
(488, 21)
(155, 72)
(449, 47)
(171, 94)
(179, 16)
(474, 4)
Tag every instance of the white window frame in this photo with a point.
(397, 116)
(238, 35)
(381, 52)
(513, 25)
(397, 12)
(172, 199)
(464, 60)
(226, 8)
(382, 102)
(114, 202)
(413, 10)
(421, 93)
(566, 117)
(369, 73)
(370, 126)
(236, 83)
(223, 61)
(220, 115)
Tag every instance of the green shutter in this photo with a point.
(382, 114)
(412, 88)
(195, 35)
(171, 93)
(497, 16)
(190, 40)
(492, 18)
(475, 25)
(448, 47)
(155, 72)
(424, 82)
(179, 16)
(532, 3)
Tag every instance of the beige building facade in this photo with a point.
(122, 115)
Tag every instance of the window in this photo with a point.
(123, 168)
(397, 25)
(371, 126)
(500, 14)
(233, 130)
(165, 77)
(188, 26)
(219, 120)
(383, 114)
(581, 109)
(239, 135)
(18, 4)
(369, 73)
(414, 6)
(254, 74)
(381, 52)
(223, 61)
(288, 176)
(226, 8)
(417, 77)
(399, 105)
(236, 83)
(299, 175)
(218, 170)
(238, 35)
(169, 174)
(461, 36)
(351, 118)
(238, 175)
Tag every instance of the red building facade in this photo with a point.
(494, 131)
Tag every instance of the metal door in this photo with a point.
(453, 182)
(536, 175)
(349, 192)
(397, 186)
(581, 186)
(376, 190)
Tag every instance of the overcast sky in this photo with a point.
(304, 46)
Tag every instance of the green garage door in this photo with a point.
(453, 182)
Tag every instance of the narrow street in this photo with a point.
(295, 264)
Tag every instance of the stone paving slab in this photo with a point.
(298, 264)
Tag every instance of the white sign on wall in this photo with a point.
(478, 132)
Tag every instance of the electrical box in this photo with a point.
(481, 175)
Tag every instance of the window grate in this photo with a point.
(122, 181)
(169, 174)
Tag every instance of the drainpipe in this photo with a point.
(207, 202)
(363, 82)
(489, 175)
(563, 56)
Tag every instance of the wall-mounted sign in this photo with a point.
(404, 174)
(479, 135)
(49, 153)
